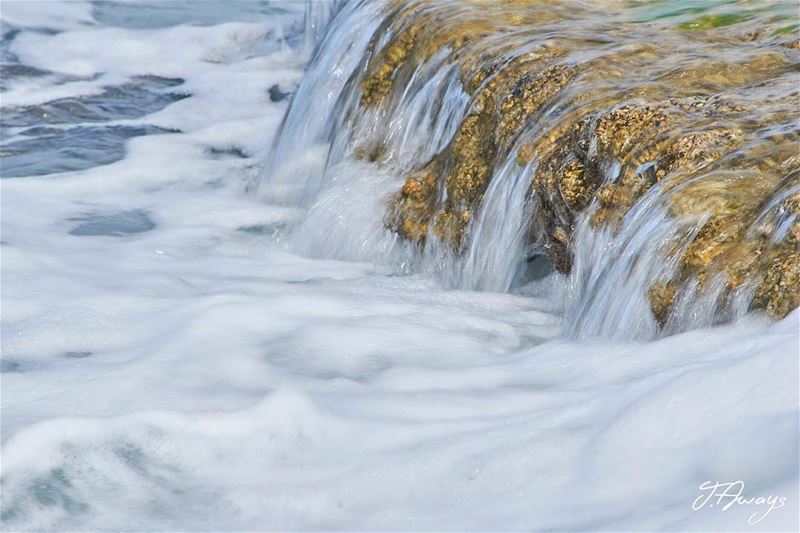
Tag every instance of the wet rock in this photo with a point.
(601, 125)
(410, 211)
(276, 94)
(662, 298)
(779, 290)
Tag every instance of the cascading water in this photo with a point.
(298, 157)
(500, 179)
(316, 18)
(524, 138)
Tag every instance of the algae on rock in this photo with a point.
(610, 122)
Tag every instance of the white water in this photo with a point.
(314, 166)
(230, 368)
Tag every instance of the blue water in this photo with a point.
(77, 133)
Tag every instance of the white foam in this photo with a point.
(201, 376)
(51, 16)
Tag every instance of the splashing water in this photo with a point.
(298, 157)
(188, 345)
(331, 145)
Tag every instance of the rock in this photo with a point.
(608, 124)
(277, 95)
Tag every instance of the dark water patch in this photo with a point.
(65, 150)
(7, 34)
(230, 151)
(166, 13)
(133, 457)
(116, 224)
(81, 354)
(9, 71)
(47, 488)
(140, 97)
(263, 229)
(11, 365)
(276, 94)
(53, 490)
(537, 266)
(309, 281)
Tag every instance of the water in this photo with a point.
(414, 130)
(208, 327)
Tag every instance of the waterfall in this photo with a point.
(432, 137)
(299, 155)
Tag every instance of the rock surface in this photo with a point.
(702, 117)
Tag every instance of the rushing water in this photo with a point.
(207, 326)
(315, 163)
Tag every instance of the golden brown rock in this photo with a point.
(662, 297)
(602, 123)
(779, 290)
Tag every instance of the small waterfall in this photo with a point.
(612, 271)
(297, 161)
(497, 248)
(347, 162)
(315, 20)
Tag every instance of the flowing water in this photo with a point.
(421, 121)
(207, 324)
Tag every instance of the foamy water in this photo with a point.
(196, 339)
